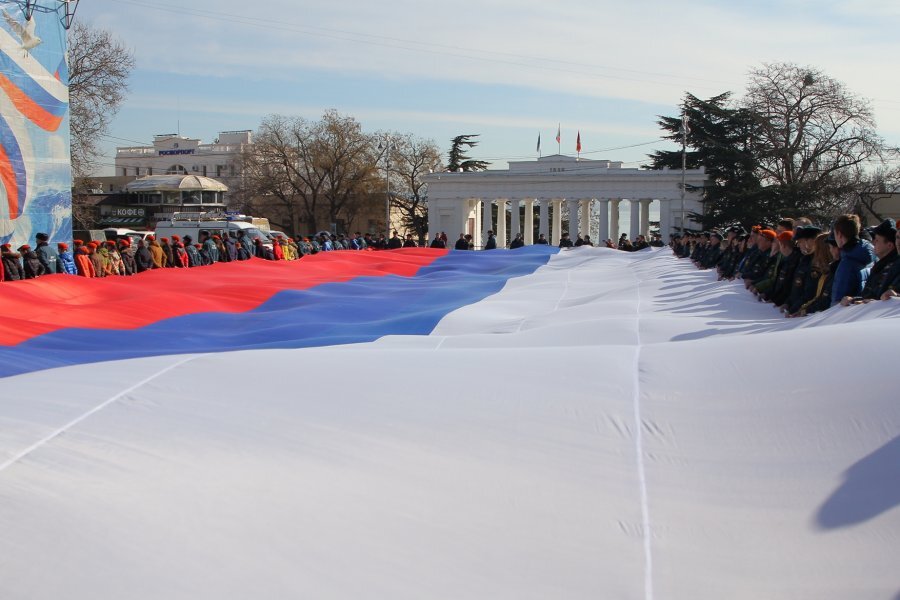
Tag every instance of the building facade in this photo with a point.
(538, 196)
(172, 154)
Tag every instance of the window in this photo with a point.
(176, 170)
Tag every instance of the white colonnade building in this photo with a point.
(463, 202)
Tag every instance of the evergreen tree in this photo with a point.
(719, 139)
(458, 161)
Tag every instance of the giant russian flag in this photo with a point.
(424, 424)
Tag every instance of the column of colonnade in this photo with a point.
(551, 225)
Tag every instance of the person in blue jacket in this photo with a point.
(65, 262)
(857, 257)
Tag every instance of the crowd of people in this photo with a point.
(126, 257)
(796, 266)
(799, 267)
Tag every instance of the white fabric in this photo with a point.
(614, 426)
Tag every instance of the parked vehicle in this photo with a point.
(192, 224)
(119, 233)
(89, 235)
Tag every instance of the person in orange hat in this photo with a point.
(65, 262)
(756, 267)
(790, 258)
(12, 265)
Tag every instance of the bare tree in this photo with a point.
(280, 166)
(411, 159)
(811, 133)
(346, 158)
(99, 66)
(870, 186)
(316, 171)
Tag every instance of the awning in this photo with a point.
(123, 221)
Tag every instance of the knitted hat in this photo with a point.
(786, 236)
(768, 234)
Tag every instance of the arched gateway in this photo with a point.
(462, 202)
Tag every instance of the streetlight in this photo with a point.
(386, 151)
(685, 129)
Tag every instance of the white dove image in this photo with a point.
(25, 32)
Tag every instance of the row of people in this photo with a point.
(799, 267)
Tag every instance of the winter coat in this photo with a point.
(32, 266)
(97, 262)
(143, 259)
(277, 251)
(83, 263)
(181, 256)
(47, 255)
(12, 266)
(822, 298)
(169, 254)
(129, 266)
(230, 248)
(857, 257)
(157, 254)
(65, 263)
(193, 256)
(782, 287)
(209, 252)
(491, 243)
(803, 287)
(116, 265)
(878, 281)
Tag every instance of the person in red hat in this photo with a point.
(31, 264)
(156, 253)
(12, 265)
(83, 261)
(116, 266)
(95, 258)
(65, 262)
(168, 251)
(129, 266)
(181, 257)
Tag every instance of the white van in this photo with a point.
(182, 224)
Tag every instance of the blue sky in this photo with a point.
(503, 69)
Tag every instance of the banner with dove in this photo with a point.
(35, 172)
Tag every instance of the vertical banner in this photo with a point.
(35, 172)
